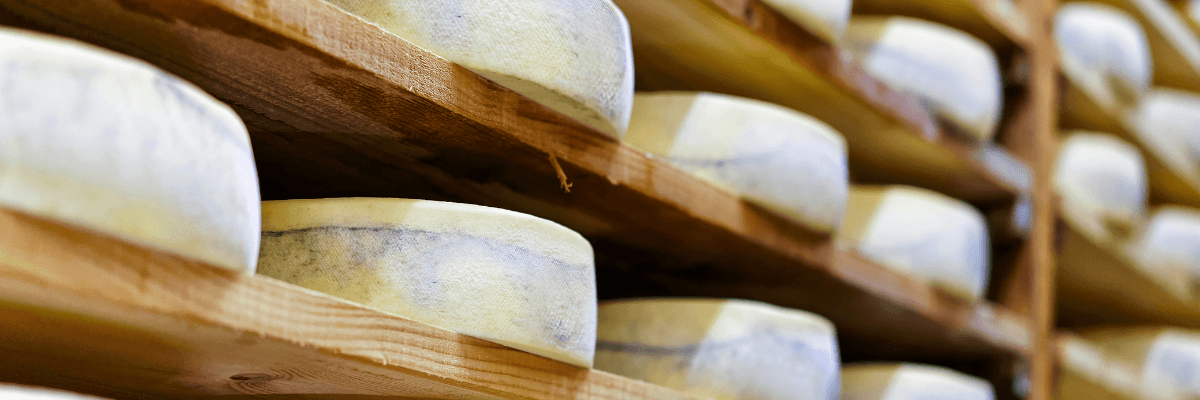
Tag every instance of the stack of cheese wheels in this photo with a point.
(110, 143)
(1168, 358)
(720, 349)
(955, 73)
(1168, 247)
(911, 382)
(14, 392)
(1104, 52)
(825, 18)
(498, 275)
(1168, 123)
(1102, 183)
(784, 160)
(919, 233)
(574, 57)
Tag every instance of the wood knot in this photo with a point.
(254, 377)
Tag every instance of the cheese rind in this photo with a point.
(781, 159)
(722, 349)
(498, 275)
(1168, 122)
(1167, 358)
(920, 233)
(911, 382)
(1168, 248)
(573, 56)
(825, 18)
(107, 142)
(955, 73)
(1102, 179)
(1105, 51)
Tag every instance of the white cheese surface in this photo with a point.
(12, 392)
(498, 275)
(1101, 179)
(1168, 122)
(720, 349)
(911, 382)
(825, 18)
(573, 56)
(776, 157)
(956, 74)
(107, 142)
(920, 233)
(1105, 51)
(1172, 367)
(1168, 247)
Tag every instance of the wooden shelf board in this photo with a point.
(1174, 49)
(337, 107)
(1099, 285)
(1087, 373)
(1167, 183)
(745, 48)
(998, 22)
(93, 314)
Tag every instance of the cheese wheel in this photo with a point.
(919, 233)
(110, 143)
(781, 159)
(956, 74)
(494, 274)
(1168, 123)
(826, 19)
(1168, 358)
(15, 392)
(1168, 248)
(720, 349)
(1104, 51)
(574, 57)
(1101, 180)
(911, 382)
(1193, 11)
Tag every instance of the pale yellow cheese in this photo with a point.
(911, 382)
(956, 74)
(110, 143)
(919, 233)
(1102, 182)
(1167, 122)
(720, 349)
(574, 57)
(779, 158)
(826, 19)
(1104, 51)
(1168, 249)
(498, 275)
(1166, 360)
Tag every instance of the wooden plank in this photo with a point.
(93, 314)
(998, 22)
(1170, 183)
(744, 48)
(1090, 374)
(1174, 48)
(338, 107)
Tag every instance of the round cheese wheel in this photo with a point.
(720, 349)
(14, 392)
(574, 57)
(827, 19)
(956, 74)
(1168, 123)
(1169, 247)
(1102, 180)
(781, 159)
(1168, 358)
(110, 143)
(920, 233)
(911, 382)
(1105, 51)
(494, 274)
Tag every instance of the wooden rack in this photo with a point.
(338, 107)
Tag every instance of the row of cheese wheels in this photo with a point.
(114, 145)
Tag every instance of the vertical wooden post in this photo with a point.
(1043, 63)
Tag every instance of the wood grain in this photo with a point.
(1089, 373)
(744, 48)
(89, 313)
(338, 107)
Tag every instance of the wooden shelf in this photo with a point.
(1082, 109)
(338, 107)
(1087, 373)
(745, 48)
(1174, 48)
(1099, 285)
(998, 22)
(89, 313)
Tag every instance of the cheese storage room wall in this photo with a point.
(608, 199)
